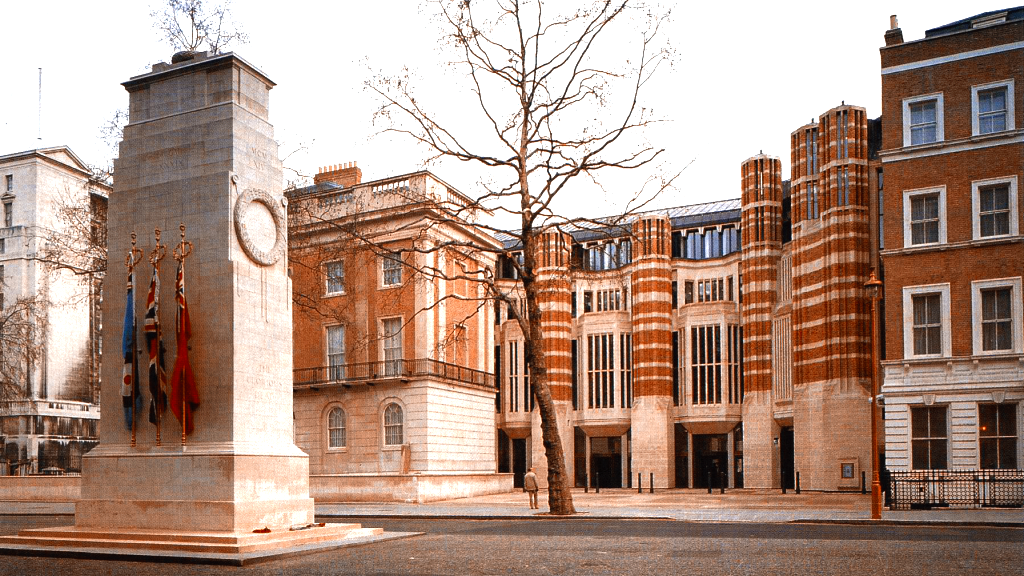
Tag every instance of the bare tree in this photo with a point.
(189, 24)
(20, 344)
(556, 109)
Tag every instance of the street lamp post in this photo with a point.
(873, 286)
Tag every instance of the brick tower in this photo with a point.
(762, 245)
(652, 350)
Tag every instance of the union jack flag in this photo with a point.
(155, 344)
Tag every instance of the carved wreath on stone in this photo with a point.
(245, 236)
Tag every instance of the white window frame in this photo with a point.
(940, 133)
(344, 429)
(395, 257)
(336, 370)
(1016, 314)
(976, 187)
(908, 195)
(392, 366)
(328, 278)
(908, 319)
(975, 124)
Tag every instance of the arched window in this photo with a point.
(393, 425)
(336, 428)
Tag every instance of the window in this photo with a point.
(393, 425)
(706, 364)
(675, 294)
(601, 370)
(925, 333)
(3, 245)
(392, 346)
(588, 302)
(735, 347)
(994, 207)
(927, 324)
(336, 428)
(928, 438)
(10, 182)
(8, 214)
(923, 120)
(996, 311)
(392, 269)
(608, 300)
(626, 369)
(924, 217)
(335, 272)
(881, 210)
(992, 107)
(997, 432)
(336, 352)
(813, 207)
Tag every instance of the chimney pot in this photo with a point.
(893, 24)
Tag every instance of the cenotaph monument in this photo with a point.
(199, 163)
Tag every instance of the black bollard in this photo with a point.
(597, 482)
(783, 484)
(797, 482)
(722, 481)
(652, 482)
(863, 482)
(586, 486)
(709, 481)
(639, 483)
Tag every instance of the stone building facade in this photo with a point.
(392, 341)
(953, 154)
(49, 412)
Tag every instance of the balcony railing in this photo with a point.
(370, 372)
(956, 488)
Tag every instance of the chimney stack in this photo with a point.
(346, 174)
(893, 35)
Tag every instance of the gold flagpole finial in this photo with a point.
(158, 252)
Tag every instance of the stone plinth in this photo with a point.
(199, 150)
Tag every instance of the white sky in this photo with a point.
(745, 76)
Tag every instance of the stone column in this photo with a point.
(199, 150)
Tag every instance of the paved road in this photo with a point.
(626, 547)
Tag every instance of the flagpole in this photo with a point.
(133, 254)
(180, 253)
(155, 257)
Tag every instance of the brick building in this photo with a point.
(953, 154)
(392, 366)
(650, 338)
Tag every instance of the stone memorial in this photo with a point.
(199, 157)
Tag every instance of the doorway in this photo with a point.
(606, 462)
(786, 457)
(518, 461)
(682, 457)
(710, 457)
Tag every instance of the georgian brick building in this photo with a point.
(392, 367)
(953, 154)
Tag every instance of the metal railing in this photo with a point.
(956, 488)
(366, 372)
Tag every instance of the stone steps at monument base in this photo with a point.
(214, 543)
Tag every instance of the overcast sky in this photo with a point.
(745, 76)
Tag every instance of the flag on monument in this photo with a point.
(129, 379)
(155, 345)
(183, 382)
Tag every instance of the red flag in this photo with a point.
(183, 382)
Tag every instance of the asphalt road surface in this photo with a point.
(619, 547)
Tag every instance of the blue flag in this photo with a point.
(130, 380)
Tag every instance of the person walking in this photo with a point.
(530, 485)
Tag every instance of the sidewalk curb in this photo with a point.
(583, 517)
